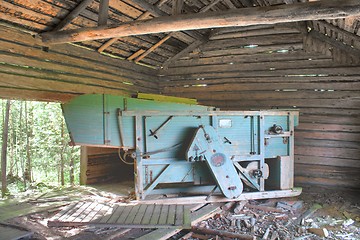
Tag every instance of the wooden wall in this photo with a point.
(103, 165)
(58, 73)
(245, 70)
(44, 15)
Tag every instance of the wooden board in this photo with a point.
(196, 216)
(134, 216)
(217, 199)
(59, 73)
(162, 98)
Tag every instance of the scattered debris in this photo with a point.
(264, 208)
(227, 206)
(308, 213)
(285, 219)
(301, 218)
(290, 205)
(239, 207)
(221, 233)
(322, 232)
(348, 222)
(266, 234)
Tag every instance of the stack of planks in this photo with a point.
(239, 70)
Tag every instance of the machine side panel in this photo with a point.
(85, 130)
(113, 105)
(93, 119)
(277, 144)
(172, 139)
(235, 132)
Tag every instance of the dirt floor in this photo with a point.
(318, 213)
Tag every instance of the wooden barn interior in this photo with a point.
(230, 54)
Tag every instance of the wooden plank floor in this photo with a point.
(134, 216)
(195, 217)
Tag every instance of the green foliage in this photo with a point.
(38, 143)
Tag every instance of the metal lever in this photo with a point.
(227, 140)
(153, 133)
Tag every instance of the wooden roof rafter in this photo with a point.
(103, 13)
(177, 6)
(143, 16)
(320, 38)
(237, 17)
(158, 49)
(72, 15)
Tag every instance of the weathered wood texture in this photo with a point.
(329, 39)
(230, 18)
(30, 71)
(44, 15)
(104, 165)
(272, 71)
(121, 215)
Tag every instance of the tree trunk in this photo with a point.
(71, 170)
(27, 173)
(62, 160)
(4, 149)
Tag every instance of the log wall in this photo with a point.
(31, 71)
(103, 165)
(273, 71)
(45, 15)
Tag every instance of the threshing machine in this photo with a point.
(187, 148)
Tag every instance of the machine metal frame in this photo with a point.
(157, 136)
(141, 164)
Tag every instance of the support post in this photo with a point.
(83, 164)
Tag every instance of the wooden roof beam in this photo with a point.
(112, 40)
(103, 12)
(157, 12)
(177, 7)
(235, 17)
(247, 3)
(72, 15)
(152, 48)
(185, 51)
(334, 43)
(209, 6)
(230, 4)
(141, 17)
(340, 30)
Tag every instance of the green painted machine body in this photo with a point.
(160, 134)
